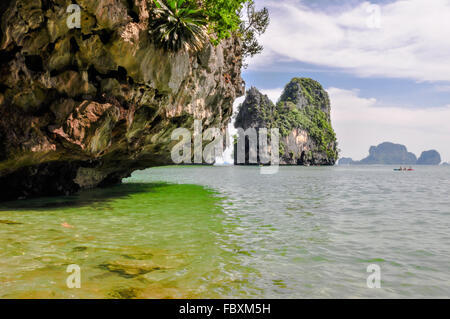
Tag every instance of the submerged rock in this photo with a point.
(9, 222)
(302, 116)
(131, 269)
(85, 107)
(125, 293)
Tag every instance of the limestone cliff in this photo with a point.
(429, 158)
(388, 153)
(345, 161)
(85, 107)
(302, 116)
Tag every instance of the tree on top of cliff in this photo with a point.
(253, 26)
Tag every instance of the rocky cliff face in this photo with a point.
(85, 107)
(303, 117)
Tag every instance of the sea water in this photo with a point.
(210, 232)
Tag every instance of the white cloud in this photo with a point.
(273, 94)
(360, 122)
(442, 88)
(412, 42)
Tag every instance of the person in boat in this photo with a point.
(401, 168)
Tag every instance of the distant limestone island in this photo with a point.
(302, 115)
(394, 154)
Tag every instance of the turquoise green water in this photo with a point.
(131, 241)
(302, 233)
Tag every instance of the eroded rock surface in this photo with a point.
(85, 107)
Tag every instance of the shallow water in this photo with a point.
(304, 232)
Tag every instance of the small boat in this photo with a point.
(403, 170)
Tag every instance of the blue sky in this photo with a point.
(385, 64)
(402, 92)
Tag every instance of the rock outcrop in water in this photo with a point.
(345, 161)
(303, 117)
(389, 153)
(394, 154)
(429, 158)
(85, 107)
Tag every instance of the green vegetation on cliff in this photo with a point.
(311, 119)
(304, 105)
(177, 24)
(306, 91)
(223, 16)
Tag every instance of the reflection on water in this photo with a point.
(131, 241)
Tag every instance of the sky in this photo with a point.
(385, 65)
